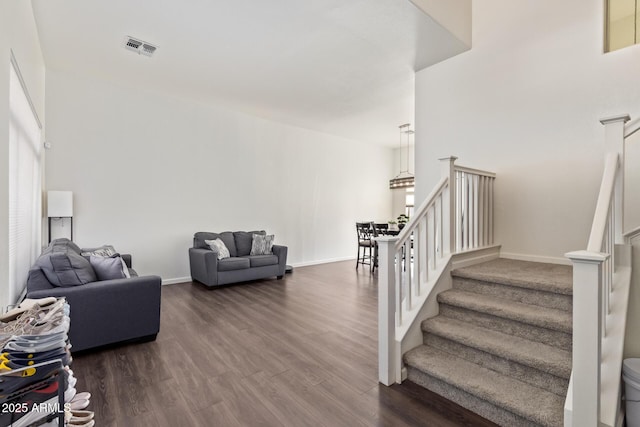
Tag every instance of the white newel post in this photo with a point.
(387, 369)
(614, 143)
(447, 170)
(587, 336)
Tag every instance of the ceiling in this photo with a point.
(344, 67)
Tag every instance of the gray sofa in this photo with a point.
(206, 268)
(102, 311)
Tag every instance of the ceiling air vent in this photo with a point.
(147, 49)
(139, 46)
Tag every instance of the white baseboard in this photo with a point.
(322, 261)
(176, 280)
(536, 258)
(297, 264)
(475, 256)
(464, 259)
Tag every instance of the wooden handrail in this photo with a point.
(475, 171)
(604, 202)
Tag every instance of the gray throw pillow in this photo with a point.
(262, 244)
(66, 268)
(107, 268)
(218, 246)
(105, 251)
(244, 240)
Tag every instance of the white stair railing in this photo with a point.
(457, 216)
(474, 218)
(601, 280)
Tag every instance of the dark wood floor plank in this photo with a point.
(245, 402)
(130, 383)
(362, 406)
(301, 351)
(193, 380)
(220, 414)
(282, 404)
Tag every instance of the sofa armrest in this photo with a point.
(204, 266)
(110, 311)
(281, 253)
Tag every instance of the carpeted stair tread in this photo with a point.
(533, 275)
(549, 318)
(525, 352)
(515, 293)
(532, 403)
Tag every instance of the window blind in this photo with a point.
(25, 185)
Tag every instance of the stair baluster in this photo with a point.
(457, 216)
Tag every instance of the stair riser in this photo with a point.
(534, 333)
(523, 295)
(481, 407)
(527, 374)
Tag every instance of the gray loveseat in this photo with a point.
(102, 311)
(206, 268)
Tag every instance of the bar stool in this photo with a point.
(364, 231)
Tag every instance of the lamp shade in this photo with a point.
(59, 204)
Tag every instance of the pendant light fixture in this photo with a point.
(404, 179)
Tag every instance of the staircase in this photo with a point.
(501, 343)
(497, 335)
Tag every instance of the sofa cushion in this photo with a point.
(244, 240)
(262, 260)
(262, 244)
(218, 246)
(233, 263)
(227, 237)
(107, 268)
(66, 268)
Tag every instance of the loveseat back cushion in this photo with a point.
(244, 240)
(229, 264)
(66, 268)
(227, 237)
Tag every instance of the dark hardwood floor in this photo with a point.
(301, 351)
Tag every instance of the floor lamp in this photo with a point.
(60, 205)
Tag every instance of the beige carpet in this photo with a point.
(501, 345)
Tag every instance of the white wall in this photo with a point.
(525, 102)
(18, 34)
(148, 170)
